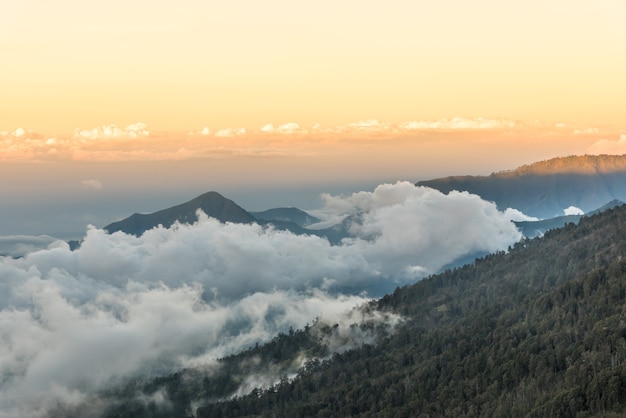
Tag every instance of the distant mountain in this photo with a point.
(544, 189)
(531, 229)
(212, 203)
(293, 215)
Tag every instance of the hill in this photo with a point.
(532, 229)
(293, 215)
(536, 331)
(225, 210)
(212, 203)
(544, 189)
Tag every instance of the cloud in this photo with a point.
(608, 146)
(586, 131)
(20, 245)
(461, 123)
(287, 128)
(230, 132)
(518, 216)
(419, 138)
(91, 184)
(573, 210)
(183, 296)
(135, 130)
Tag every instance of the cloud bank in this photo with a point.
(74, 322)
(136, 142)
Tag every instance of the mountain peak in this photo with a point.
(212, 203)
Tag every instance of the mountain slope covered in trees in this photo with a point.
(537, 331)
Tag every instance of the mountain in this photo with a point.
(544, 189)
(532, 229)
(293, 215)
(536, 331)
(212, 203)
(225, 210)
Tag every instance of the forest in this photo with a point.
(538, 330)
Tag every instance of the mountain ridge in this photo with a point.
(212, 203)
(545, 188)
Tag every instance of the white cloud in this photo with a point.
(403, 229)
(91, 184)
(587, 131)
(135, 130)
(460, 123)
(573, 210)
(20, 245)
(287, 128)
(120, 306)
(516, 215)
(230, 132)
(608, 146)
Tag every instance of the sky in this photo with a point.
(120, 107)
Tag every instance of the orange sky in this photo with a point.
(184, 65)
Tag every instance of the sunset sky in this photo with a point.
(129, 102)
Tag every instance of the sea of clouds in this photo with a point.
(75, 322)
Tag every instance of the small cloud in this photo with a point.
(19, 132)
(91, 184)
(517, 215)
(287, 128)
(205, 131)
(573, 210)
(367, 124)
(134, 130)
(230, 132)
(608, 146)
(460, 123)
(137, 129)
(588, 131)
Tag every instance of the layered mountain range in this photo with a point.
(543, 190)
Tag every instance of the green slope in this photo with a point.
(537, 331)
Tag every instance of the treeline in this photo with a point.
(537, 331)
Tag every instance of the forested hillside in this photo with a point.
(537, 331)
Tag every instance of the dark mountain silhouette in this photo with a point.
(212, 203)
(544, 189)
(217, 206)
(536, 331)
(293, 215)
